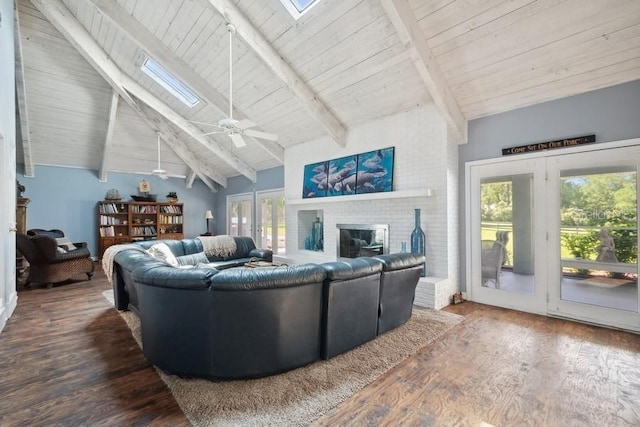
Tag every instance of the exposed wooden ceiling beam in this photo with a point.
(21, 97)
(425, 62)
(190, 178)
(84, 43)
(307, 97)
(111, 123)
(159, 52)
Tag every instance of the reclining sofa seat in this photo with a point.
(400, 275)
(350, 304)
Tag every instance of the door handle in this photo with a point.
(13, 229)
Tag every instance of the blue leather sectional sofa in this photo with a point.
(219, 322)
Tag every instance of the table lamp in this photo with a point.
(208, 215)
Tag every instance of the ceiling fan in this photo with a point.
(232, 127)
(159, 172)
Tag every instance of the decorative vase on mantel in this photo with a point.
(417, 241)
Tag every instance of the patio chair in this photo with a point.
(502, 236)
(492, 257)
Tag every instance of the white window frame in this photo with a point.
(168, 81)
(293, 10)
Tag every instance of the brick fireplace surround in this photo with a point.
(425, 157)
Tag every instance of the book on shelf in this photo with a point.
(171, 209)
(112, 208)
(107, 231)
(109, 220)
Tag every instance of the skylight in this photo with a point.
(297, 8)
(169, 82)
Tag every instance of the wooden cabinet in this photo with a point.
(125, 222)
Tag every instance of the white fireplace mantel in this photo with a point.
(421, 192)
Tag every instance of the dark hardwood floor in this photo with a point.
(67, 359)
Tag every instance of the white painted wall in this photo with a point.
(8, 295)
(424, 157)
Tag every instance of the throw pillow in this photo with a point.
(192, 259)
(65, 243)
(161, 252)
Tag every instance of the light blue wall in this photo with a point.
(611, 114)
(268, 179)
(66, 198)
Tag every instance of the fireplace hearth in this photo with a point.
(362, 240)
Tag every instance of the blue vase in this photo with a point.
(417, 241)
(317, 236)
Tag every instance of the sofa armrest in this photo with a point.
(46, 245)
(263, 254)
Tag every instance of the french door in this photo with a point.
(593, 251)
(506, 269)
(557, 234)
(269, 215)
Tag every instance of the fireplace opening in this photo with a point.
(362, 240)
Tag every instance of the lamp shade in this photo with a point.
(208, 214)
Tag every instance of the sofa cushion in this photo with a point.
(192, 259)
(161, 252)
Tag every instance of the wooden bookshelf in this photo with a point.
(125, 222)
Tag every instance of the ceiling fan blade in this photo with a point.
(213, 133)
(261, 135)
(237, 139)
(244, 124)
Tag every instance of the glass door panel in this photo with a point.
(271, 220)
(598, 237)
(507, 258)
(239, 214)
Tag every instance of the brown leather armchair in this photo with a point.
(48, 263)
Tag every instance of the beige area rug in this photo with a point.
(298, 397)
(606, 282)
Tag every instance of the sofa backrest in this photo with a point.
(352, 268)
(400, 261)
(176, 246)
(238, 279)
(244, 245)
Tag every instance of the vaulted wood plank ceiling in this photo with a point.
(345, 62)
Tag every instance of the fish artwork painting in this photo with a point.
(315, 180)
(375, 172)
(340, 171)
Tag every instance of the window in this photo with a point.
(169, 82)
(297, 8)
